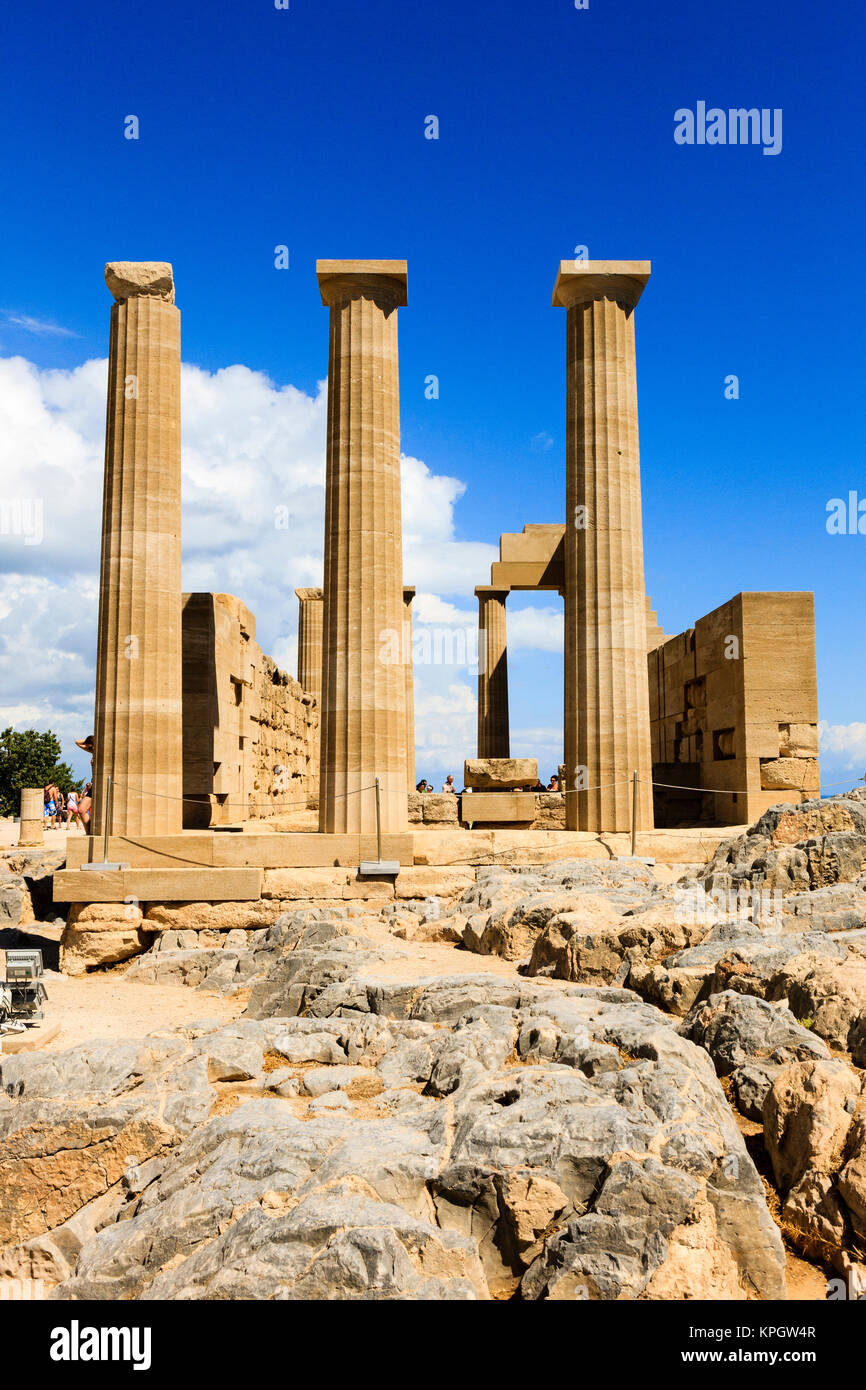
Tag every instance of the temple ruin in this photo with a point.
(199, 734)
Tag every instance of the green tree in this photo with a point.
(29, 759)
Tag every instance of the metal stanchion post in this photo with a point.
(378, 867)
(108, 814)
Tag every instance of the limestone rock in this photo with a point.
(734, 955)
(835, 907)
(93, 944)
(793, 849)
(807, 1116)
(126, 279)
(833, 995)
(103, 916)
(750, 1041)
(223, 917)
(539, 1128)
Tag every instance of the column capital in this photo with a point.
(384, 281)
(581, 282)
(491, 591)
(306, 595)
(140, 279)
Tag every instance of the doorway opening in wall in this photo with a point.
(535, 678)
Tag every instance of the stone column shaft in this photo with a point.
(31, 829)
(607, 725)
(494, 739)
(363, 680)
(139, 728)
(310, 619)
(409, 669)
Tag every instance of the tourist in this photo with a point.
(72, 814)
(421, 786)
(51, 796)
(449, 784)
(84, 807)
(553, 784)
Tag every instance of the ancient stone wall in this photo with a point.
(734, 705)
(250, 733)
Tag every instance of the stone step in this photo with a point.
(158, 885)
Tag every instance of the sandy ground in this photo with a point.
(107, 1006)
(54, 839)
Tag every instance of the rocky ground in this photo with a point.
(570, 1081)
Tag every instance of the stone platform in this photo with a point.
(208, 866)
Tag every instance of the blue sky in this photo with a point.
(305, 127)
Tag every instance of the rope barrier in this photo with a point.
(357, 791)
(196, 801)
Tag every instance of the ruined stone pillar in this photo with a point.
(493, 730)
(607, 724)
(310, 606)
(139, 727)
(31, 830)
(409, 669)
(363, 679)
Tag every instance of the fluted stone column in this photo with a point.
(607, 725)
(409, 670)
(363, 679)
(31, 830)
(138, 735)
(310, 614)
(493, 730)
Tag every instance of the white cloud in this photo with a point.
(540, 443)
(445, 727)
(535, 629)
(43, 327)
(253, 457)
(844, 744)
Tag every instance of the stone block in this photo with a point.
(455, 846)
(220, 917)
(798, 740)
(305, 883)
(373, 888)
(157, 885)
(500, 774)
(439, 882)
(86, 947)
(498, 808)
(103, 916)
(790, 774)
(550, 812)
(440, 808)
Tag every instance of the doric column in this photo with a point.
(409, 669)
(31, 827)
(139, 731)
(607, 727)
(310, 606)
(493, 731)
(363, 680)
